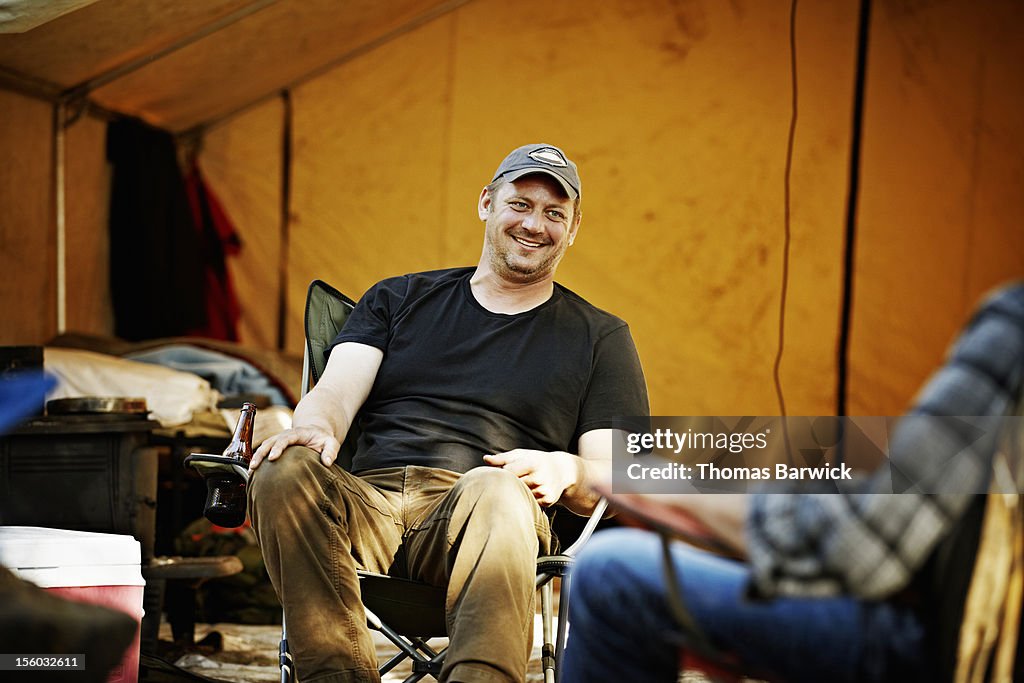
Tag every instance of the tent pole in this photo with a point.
(29, 86)
(852, 197)
(286, 201)
(60, 209)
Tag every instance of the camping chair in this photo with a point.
(408, 613)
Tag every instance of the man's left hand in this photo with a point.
(547, 475)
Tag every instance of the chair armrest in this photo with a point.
(208, 463)
(668, 520)
(588, 529)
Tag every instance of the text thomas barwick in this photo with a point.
(711, 471)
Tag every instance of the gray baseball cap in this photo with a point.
(541, 158)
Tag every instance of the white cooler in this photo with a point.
(103, 569)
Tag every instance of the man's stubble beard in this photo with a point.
(506, 265)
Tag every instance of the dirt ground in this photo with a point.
(249, 654)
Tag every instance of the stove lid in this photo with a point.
(93, 405)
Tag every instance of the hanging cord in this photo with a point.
(787, 183)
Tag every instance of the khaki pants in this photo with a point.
(478, 533)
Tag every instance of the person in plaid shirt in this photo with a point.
(855, 585)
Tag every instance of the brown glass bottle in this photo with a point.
(226, 490)
(241, 441)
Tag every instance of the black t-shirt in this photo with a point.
(458, 381)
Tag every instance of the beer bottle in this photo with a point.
(240, 447)
(226, 489)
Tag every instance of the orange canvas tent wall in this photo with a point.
(349, 141)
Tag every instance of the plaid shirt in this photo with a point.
(869, 543)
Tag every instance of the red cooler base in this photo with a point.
(127, 599)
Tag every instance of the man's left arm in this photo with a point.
(616, 388)
(561, 477)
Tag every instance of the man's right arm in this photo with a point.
(323, 416)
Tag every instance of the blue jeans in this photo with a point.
(622, 630)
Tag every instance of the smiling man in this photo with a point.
(482, 395)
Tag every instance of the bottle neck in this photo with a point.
(241, 439)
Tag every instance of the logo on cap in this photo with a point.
(549, 156)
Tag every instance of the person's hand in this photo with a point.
(318, 439)
(547, 475)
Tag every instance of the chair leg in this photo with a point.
(284, 656)
(180, 605)
(425, 660)
(547, 648)
(563, 624)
